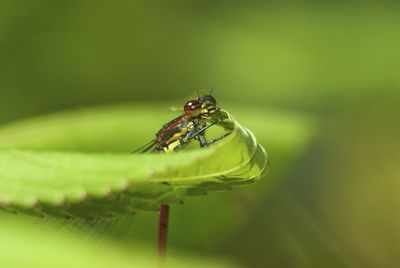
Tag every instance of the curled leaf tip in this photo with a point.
(67, 166)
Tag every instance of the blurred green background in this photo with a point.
(335, 199)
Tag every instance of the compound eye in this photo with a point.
(208, 99)
(192, 108)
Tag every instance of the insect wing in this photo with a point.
(149, 147)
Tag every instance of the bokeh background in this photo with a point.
(335, 196)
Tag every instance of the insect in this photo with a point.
(199, 115)
(176, 134)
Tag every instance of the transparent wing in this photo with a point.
(149, 147)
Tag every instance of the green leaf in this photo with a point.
(74, 164)
(25, 245)
(286, 135)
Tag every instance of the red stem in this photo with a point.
(163, 232)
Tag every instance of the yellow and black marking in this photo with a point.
(199, 115)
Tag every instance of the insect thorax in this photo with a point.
(177, 129)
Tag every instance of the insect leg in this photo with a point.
(202, 139)
(191, 134)
(201, 131)
(219, 138)
(200, 135)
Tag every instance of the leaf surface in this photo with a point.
(25, 245)
(74, 164)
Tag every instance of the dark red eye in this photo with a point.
(192, 107)
(208, 99)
